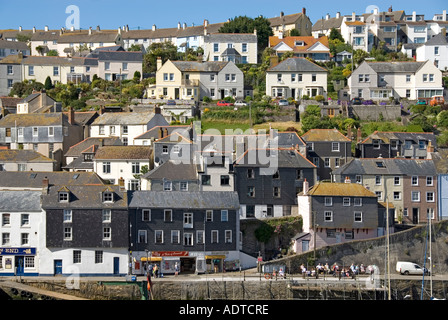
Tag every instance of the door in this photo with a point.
(293, 93)
(20, 265)
(305, 245)
(415, 212)
(57, 267)
(176, 93)
(116, 265)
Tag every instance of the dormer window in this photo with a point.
(63, 196)
(299, 43)
(108, 196)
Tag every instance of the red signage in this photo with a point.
(170, 253)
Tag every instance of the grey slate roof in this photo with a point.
(231, 37)
(85, 197)
(184, 200)
(296, 64)
(126, 118)
(437, 40)
(266, 158)
(120, 56)
(193, 66)
(391, 167)
(16, 45)
(11, 155)
(173, 171)
(396, 66)
(20, 201)
(323, 24)
(154, 131)
(77, 149)
(33, 179)
(401, 136)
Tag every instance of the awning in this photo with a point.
(151, 259)
(215, 257)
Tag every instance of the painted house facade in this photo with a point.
(240, 48)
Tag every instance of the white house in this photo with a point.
(235, 47)
(296, 77)
(435, 50)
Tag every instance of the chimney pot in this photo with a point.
(304, 10)
(306, 186)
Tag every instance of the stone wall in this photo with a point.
(406, 245)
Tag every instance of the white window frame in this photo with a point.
(357, 216)
(328, 201)
(328, 216)
(417, 198)
(146, 212)
(162, 238)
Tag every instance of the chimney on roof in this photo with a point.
(157, 109)
(160, 133)
(429, 147)
(304, 10)
(159, 63)
(327, 16)
(414, 16)
(255, 31)
(390, 9)
(184, 26)
(179, 26)
(165, 132)
(349, 132)
(347, 180)
(119, 30)
(121, 183)
(353, 16)
(45, 185)
(280, 35)
(443, 31)
(71, 116)
(359, 135)
(62, 31)
(90, 31)
(127, 28)
(444, 15)
(46, 28)
(43, 95)
(98, 28)
(34, 29)
(338, 15)
(20, 29)
(205, 23)
(154, 27)
(282, 14)
(306, 186)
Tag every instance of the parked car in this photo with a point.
(171, 103)
(223, 103)
(437, 101)
(422, 102)
(240, 103)
(283, 102)
(356, 101)
(407, 268)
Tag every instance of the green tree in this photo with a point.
(48, 84)
(294, 33)
(336, 35)
(165, 50)
(359, 56)
(135, 47)
(53, 53)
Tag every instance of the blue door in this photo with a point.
(20, 265)
(116, 265)
(57, 267)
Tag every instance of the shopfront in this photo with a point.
(18, 262)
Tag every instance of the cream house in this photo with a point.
(398, 79)
(296, 77)
(236, 47)
(190, 80)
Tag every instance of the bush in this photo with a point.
(319, 98)
(206, 99)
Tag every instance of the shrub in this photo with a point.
(319, 98)
(206, 99)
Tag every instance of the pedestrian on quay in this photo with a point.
(155, 271)
(176, 269)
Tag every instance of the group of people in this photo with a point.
(336, 270)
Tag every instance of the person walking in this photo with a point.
(176, 269)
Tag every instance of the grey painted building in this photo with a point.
(196, 230)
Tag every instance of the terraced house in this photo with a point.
(409, 185)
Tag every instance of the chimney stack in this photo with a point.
(20, 29)
(72, 28)
(414, 16)
(282, 14)
(430, 147)
(306, 186)
(154, 27)
(205, 23)
(178, 26)
(347, 180)
(160, 133)
(327, 17)
(184, 26)
(359, 135)
(444, 15)
(121, 183)
(390, 9)
(443, 31)
(90, 31)
(98, 28)
(338, 15)
(45, 185)
(159, 63)
(304, 10)
(71, 116)
(349, 133)
(353, 16)
(34, 29)
(165, 134)
(46, 28)
(157, 109)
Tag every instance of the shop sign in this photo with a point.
(18, 251)
(170, 253)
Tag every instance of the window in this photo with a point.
(358, 216)
(378, 180)
(5, 238)
(135, 167)
(250, 173)
(224, 215)
(331, 233)
(335, 146)
(168, 215)
(108, 197)
(21, 167)
(125, 66)
(415, 196)
(55, 71)
(293, 77)
(31, 70)
(67, 215)
(167, 186)
(225, 180)
(379, 194)
(276, 192)
(299, 174)
(51, 131)
(313, 77)
(165, 149)
(279, 77)
(101, 129)
(430, 213)
(328, 201)
(205, 180)
(6, 219)
(425, 77)
(376, 143)
(106, 65)
(158, 236)
(188, 220)
(200, 236)
(357, 202)
(175, 236)
(146, 215)
(397, 195)
(188, 239)
(112, 130)
(228, 236)
(63, 196)
(29, 262)
(328, 216)
(98, 256)
(414, 180)
(326, 162)
(251, 191)
(429, 181)
(405, 212)
(106, 167)
(358, 179)
(408, 78)
(24, 219)
(76, 256)
(125, 129)
(421, 144)
(300, 77)
(106, 215)
(430, 196)
(209, 215)
(337, 162)
(142, 236)
(346, 202)
(35, 131)
(107, 233)
(316, 161)
(214, 236)
(397, 181)
(183, 186)
(436, 50)
(215, 47)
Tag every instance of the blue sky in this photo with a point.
(110, 14)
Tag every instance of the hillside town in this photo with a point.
(121, 149)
